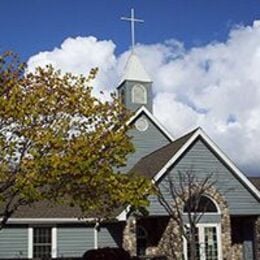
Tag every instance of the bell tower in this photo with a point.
(135, 89)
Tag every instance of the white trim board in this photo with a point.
(144, 110)
(218, 151)
(201, 229)
(50, 220)
(54, 248)
(30, 242)
(96, 238)
(123, 215)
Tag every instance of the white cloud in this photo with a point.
(216, 86)
(79, 55)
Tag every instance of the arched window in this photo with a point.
(141, 240)
(139, 94)
(200, 204)
(207, 235)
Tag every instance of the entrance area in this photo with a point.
(208, 243)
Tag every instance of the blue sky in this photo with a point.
(202, 55)
(29, 26)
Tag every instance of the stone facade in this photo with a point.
(129, 236)
(170, 242)
(237, 252)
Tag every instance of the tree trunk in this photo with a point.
(192, 243)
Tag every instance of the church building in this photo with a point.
(229, 230)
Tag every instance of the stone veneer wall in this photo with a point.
(237, 252)
(257, 238)
(129, 236)
(171, 242)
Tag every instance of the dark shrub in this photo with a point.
(107, 253)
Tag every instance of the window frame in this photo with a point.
(53, 244)
(141, 120)
(140, 86)
(39, 246)
(218, 212)
(201, 237)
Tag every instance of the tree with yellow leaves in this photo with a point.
(59, 142)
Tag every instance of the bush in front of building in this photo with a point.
(107, 253)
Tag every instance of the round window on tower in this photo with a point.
(141, 124)
(139, 94)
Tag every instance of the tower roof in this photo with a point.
(134, 70)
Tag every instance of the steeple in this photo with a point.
(135, 88)
(134, 70)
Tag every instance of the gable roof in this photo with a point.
(51, 212)
(45, 211)
(134, 70)
(149, 167)
(144, 110)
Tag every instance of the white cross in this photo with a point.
(133, 20)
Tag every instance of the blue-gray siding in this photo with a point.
(110, 235)
(74, 241)
(207, 218)
(127, 87)
(149, 140)
(145, 142)
(14, 243)
(203, 162)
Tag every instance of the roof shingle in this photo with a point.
(255, 181)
